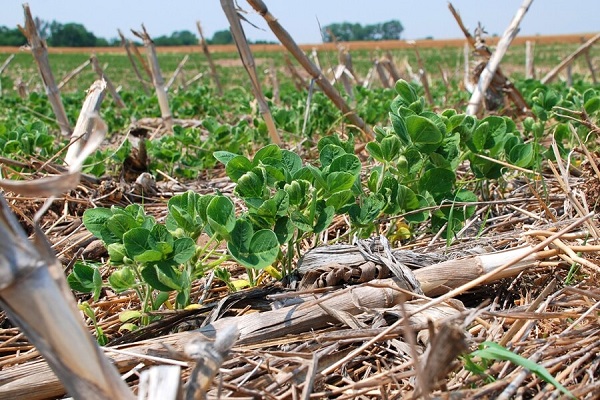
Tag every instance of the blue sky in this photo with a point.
(420, 18)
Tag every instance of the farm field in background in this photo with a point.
(174, 230)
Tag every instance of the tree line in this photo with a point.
(76, 35)
(353, 32)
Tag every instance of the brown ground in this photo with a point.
(383, 45)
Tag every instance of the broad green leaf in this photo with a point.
(221, 215)
(183, 250)
(437, 181)
(340, 199)
(291, 162)
(251, 185)
(159, 237)
(324, 218)
(262, 250)
(338, 181)
(81, 278)
(136, 241)
(301, 221)
(399, 125)
(164, 279)
(521, 155)
(94, 219)
(237, 167)
(149, 256)
(407, 199)
(406, 91)
(366, 213)
(423, 133)
(297, 192)
(128, 315)
(375, 151)
(269, 151)
(224, 156)
(390, 147)
(284, 230)
(329, 153)
(122, 279)
(346, 163)
(117, 252)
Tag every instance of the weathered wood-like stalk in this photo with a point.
(157, 78)
(490, 70)
(213, 69)
(311, 68)
(40, 54)
(248, 60)
(109, 85)
(136, 70)
(569, 59)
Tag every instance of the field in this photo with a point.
(428, 253)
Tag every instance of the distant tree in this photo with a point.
(352, 32)
(11, 37)
(221, 37)
(70, 35)
(179, 38)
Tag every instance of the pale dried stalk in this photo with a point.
(126, 45)
(383, 77)
(73, 73)
(109, 85)
(272, 72)
(35, 295)
(588, 61)
(40, 53)
(285, 38)
(569, 59)
(140, 58)
(86, 120)
(529, 60)
(178, 70)
(3, 67)
(157, 78)
(248, 60)
(423, 77)
(213, 69)
(490, 70)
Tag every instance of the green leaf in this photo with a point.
(521, 155)
(329, 153)
(251, 185)
(301, 221)
(94, 219)
(82, 278)
(297, 192)
(237, 167)
(437, 181)
(291, 162)
(128, 315)
(324, 218)
(221, 215)
(284, 230)
(117, 252)
(366, 213)
(375, 151)
(224, 156)
(425, 134)
(183, 250)
(406, 91)
(390, 147)
(136, 241)
(346, 163)
(338, 181)
(399, 125)
(122, 279)
(149, 256)
(592, 105)
(269, 151)
(261, 251)
(493, 351)
(162, 278)
(340, 199)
